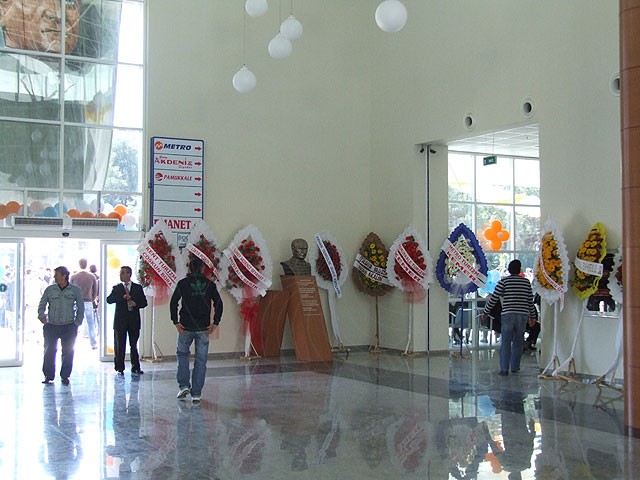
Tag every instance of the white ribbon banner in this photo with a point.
(332, 269)
(252, 270)
(550, 281)
(163, 270)
(241, 276)
(201, 255)
(590, 268)
(369, 270)
(465, 267)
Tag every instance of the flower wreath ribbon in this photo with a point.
(590, 268)
(465, 267)
(556, 286)
(232, 253)
(408, 265)
(156, 262)
(370, 271)
(201, 255)
(332, 268)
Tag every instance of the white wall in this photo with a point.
(486, 57)
(327, 139)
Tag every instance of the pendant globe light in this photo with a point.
(280, 46)
(244, 80)
(391, 16)
(256, 8)
(291, 27)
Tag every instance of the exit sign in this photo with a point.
(490, 160)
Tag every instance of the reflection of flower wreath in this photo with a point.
(449, 275)
(552, 262)
(615, 277)
(593, 249)
(374, 251)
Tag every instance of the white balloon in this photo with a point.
(291, 28)
(128, 220)
(256, 8)
(391, 16)
(83, 206)
(244, 80)
(280, 47)
(107, 209)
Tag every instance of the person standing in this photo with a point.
(88, 285)
(65, 311)
(197, 295)
(517, 307)
(129, 298)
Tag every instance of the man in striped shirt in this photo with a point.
(517, 307)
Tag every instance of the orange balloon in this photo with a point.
(121, 209)
(13, 207)
(503, 235)
(115, 214)
(87, 214)
(102, 215)
(114, 263)
(496, 225)
(489, 234)
(496, 245)
(74, 213)
(3, 211)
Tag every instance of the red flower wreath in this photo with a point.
(207, 247)
(415, 252)
(321, 265)
(251, 252)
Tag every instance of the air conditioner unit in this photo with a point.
(96, 224)
(37, 223)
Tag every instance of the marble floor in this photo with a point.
(366, 416)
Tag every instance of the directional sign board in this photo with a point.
(177, 184)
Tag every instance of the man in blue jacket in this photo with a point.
(197, 295)
(65, 311)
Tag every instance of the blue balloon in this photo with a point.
(49, 212)
(493, 277)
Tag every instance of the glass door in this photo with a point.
(114, 255)
(11, 312)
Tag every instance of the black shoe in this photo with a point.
(119, 373)
(65, 380)
(504, 373)
(515, 371)
(136, 371)
(47, 380)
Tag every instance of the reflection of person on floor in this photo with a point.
(126, 426)
(62, 453)
(88, 285)
(65, 311)
(517, 434)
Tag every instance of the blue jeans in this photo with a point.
(91, 324)
(67, 334)
(199, 365)
(512, 331)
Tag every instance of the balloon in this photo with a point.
(113, 262)
(13, 207)
(107, 208)
(74, 213)
(83, 206)
(115, 214)
(3, 211)
(129, 220)
(493, 277)
(496, 225)
(496, 235)
(49, 212)
(496, 245)
(87, 214)
(121, 209)
(36, 207)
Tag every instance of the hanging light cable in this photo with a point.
(280, 46)
(244, 80)
(291, 27)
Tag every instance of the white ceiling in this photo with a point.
(521, 141)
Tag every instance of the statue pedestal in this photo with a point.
(306, 319)
(272, 315)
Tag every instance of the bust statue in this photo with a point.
(297, 265)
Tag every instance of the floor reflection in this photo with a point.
(367, 417)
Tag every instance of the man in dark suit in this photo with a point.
(129, 299)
